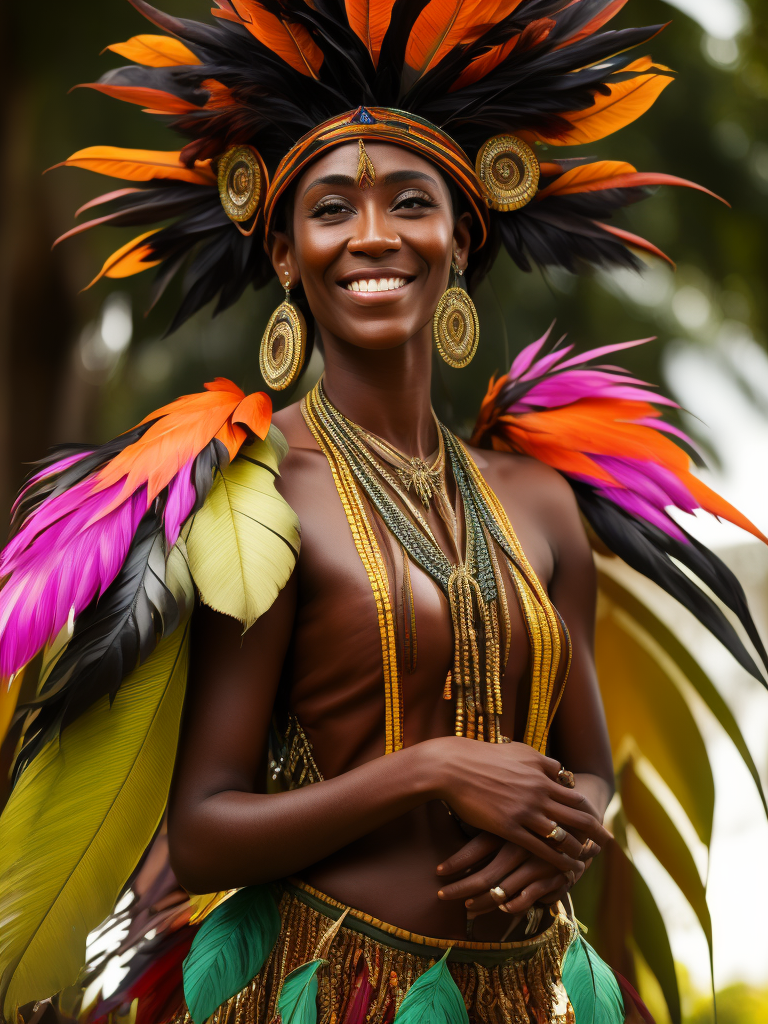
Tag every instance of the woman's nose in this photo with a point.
(374, 235)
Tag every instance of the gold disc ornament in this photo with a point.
(455, 328)
(509, 170)
(240, 183)
(283, 346)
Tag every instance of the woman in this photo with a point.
(423, 674)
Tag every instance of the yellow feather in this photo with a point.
(244, 542)
(78, 821)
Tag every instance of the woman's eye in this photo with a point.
(329, 210)
(413, 201)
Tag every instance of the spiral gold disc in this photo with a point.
(283, 348)
(455, 328)
(509, 170)
(239, 177)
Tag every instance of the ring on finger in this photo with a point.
(558, 833)
(571, 876)
(565, 778)
(588, 848)
(498, 892)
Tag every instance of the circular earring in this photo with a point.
(283, 345)
(455, 326)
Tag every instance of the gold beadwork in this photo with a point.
(455, 327)
(283, 345)
(366, 172)
(370, 555)
(509, 170)
(240, 183)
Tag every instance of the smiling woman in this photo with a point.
(389, 784)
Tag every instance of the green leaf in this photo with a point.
(243, 543)
(229, 950)
(682, 662)
(650, 934)
(298, 996)
(434, 998)
(591, 986)
(644, 705)
(657, 830)
(78, 821)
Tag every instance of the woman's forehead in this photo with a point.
(388, 160)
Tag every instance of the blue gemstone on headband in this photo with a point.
(363, 116)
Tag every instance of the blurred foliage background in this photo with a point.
(83, 366)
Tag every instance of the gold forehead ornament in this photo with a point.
(366, 172)
(509, 171)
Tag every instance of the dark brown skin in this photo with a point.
(376, 834)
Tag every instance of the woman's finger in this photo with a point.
(533, 892)
(573, 820)
(483, 845)
(531, 840)
(482, 881)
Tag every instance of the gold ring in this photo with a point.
(557, 834)
(565, 778)
(498, 892)
(587, 848)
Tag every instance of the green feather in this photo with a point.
(229, 950)
(591, 986)
(298, 996)
(434, 998)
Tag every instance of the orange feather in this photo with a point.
(155, 51)
(182, 430)
(567, 436)
(444, 24)
(626, 101)
(613, 174)
(9, 696)
(220, 96)
(140, 164)
(635, 241)
(155, 101)
(289, 41)
(128, 260)
(369, 20)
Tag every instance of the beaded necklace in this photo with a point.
(472, 585)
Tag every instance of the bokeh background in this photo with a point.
(82, 366)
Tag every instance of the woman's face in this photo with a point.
(375, 261)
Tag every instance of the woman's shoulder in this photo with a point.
(290, 422)
(523, 484)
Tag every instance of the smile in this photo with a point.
(376, 284)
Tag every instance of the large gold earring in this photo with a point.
(455, 326)
(283, 345)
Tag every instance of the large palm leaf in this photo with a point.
(646, 675)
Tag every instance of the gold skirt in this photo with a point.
(372, 965)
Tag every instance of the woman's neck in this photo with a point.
(386, 391)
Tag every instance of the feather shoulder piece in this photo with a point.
(602, 429)
(103, 542)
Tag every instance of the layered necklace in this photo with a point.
(364, 464)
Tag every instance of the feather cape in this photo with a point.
(602, 429)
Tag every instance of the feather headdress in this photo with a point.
(264, 74)
(602, 429)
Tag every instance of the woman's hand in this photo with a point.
(525, 879)
(511, 791)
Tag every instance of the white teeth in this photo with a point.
(377, 284)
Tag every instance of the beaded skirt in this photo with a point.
(371, 966)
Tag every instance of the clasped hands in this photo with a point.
(522, 867)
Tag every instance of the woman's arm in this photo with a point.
(226, 831)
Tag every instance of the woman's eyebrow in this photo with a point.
(393, 178)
